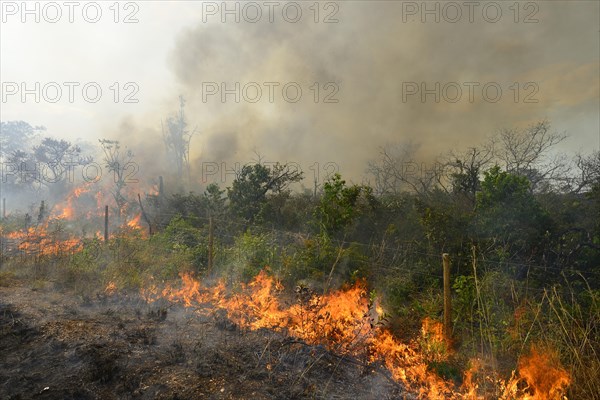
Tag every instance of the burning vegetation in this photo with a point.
(343, 321)
(149, 291)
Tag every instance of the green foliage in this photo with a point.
(594, 196)
(215, 200)
(182, 238)
(507, 212)
(342, 204)
(446, 370)
(196, 209)
(249, 255)
(527, 242)
(181, 234)
(324, 262)
(446, 221)
(248, 193)
(465, 298)
(503, 188)
(437, 223)
(310, 260)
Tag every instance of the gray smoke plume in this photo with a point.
(370, 55)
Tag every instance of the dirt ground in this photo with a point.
(57, 345)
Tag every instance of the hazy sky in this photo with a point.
(491, 65)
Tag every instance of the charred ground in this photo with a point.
(55, 344)
(522, 241)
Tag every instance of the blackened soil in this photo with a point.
(56, 345)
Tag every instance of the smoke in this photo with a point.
(365, 63)
(369, 55)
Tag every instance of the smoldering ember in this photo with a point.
(416, 215)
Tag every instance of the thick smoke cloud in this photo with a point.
(370, 54)
(368, 57)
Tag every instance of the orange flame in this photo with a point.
(343, 321)
(67, 209)
(37, 240)
(545, 377)
(340, 320)
(134, 223)
(111, 288)
(470, 386)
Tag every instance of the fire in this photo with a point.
(134, 223)
(16, 235)
(434, 343)
(340, 320)
(111, 288)
(470, 385)
(540, 377)
(37, 240)
(78, 191)
(67, 209)
(546, 379)
(153, 191)
(255, 307)
(343, 321)
(190, 291)
(61, 230)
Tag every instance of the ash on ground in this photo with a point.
(56, 345)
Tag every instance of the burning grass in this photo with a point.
(115, 346)
(346, 326)
(346, 323)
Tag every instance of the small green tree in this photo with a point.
(500, 188)
(508, 213)
(215, 200)
(342, 204)
(248, 195)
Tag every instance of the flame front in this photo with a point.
(543, 374)
(66, 210)
(343, 321)
(38, 240)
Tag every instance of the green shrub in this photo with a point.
(249, 254)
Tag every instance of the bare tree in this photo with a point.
(118, 162)
(177, 140)
(397, 171)
(464, 169)
(527, 153)
(587, 172)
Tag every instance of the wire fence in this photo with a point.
(395, 257)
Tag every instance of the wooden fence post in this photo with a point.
(145, 216)
(210, 245)
(447, 297)
(105, 224)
